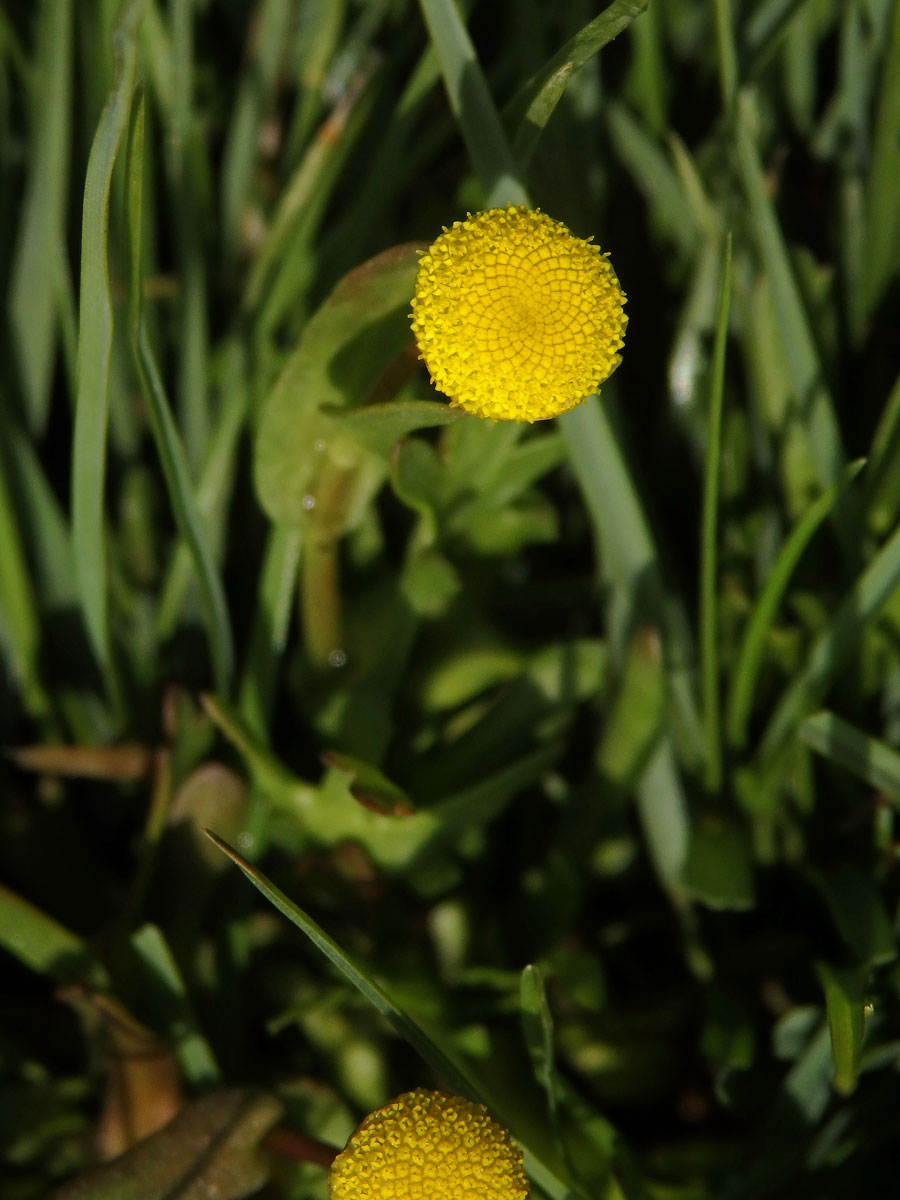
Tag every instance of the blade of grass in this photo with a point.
(882, 217)
(752, 649)
(859, 608)
(727, 53)
(165, 433)
(709, 557)
(173, 1008)
(94, 352)
(19, 624)
(270, 27)
(533, 105)
(42, 232)
(871, 759)
(844, 1000)
(192, 395)
(42, 944)
(213, 489)
(472, 105)
(274, 605)
(815, 405)
(449, 1069)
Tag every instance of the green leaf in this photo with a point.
(41, 248)
(871, 759)
(811, 397)
(170, 1002)
(95, 338)
(379, 426)
(845, 1007)
(346, 345)
(719, 867)
(858, 913)
(535, 101)
(165, 432)
(709, 547)
(213, 1147)
(753, 644)
(44, 945)
(472, 105)
(859, 608)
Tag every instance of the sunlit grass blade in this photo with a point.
(41, 243)
(810, 393)
(447, 1068)
(533, 105)
(753, 644)
(472, 105)
(709, 540)
(844, 999)
(165, 433)
(94, 351)
(856, 613)
(43, 944)
(867, 757)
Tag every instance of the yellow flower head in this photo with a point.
(429, 1146)
(515, 317)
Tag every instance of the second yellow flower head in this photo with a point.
(515, 317)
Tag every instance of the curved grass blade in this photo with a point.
(472, 105)
(41, 246)
(449, 1070)
(533, 105)
(859, 608)
(844, 1005)
(165, 432)
(95, 337)
(709, 557)
(871, 759)
(810, 394)
(752, 649)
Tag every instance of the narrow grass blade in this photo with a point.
(447, 1068)
(752, 649)
(170, 1001)
(860, 607)
(533, 105)
(472, 104)
(193, 386)
(811, 396)
(268, 637)
(19, 627)
(727, 53)
(41, 243)
(882, 216)
(165, 433)
(844, 1005)
(42, 944)
(241, 147)
(709, 554)
(871, 759)
(94, 351)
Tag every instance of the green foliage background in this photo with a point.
(579, 740)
